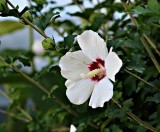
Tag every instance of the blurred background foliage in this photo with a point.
(132, 28)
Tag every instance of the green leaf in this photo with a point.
(24, 58)
(117, 95)
(155, 98)
(136, 67)
(97, 22)
(141, 10)
(153, 19)
(43, 21)
(120, 33)
(115, 43)
(114, 112)
(154, 5)
(136, 63)
(2, 64)
(130, 85)
(81, 127)
(128, 103)
(116, 128)
(8, 26)
(85, 15)
(68, 41)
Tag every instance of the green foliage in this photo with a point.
(138, 92)
(155, 98)
(152, 7)
(43, 21)
(137, 64)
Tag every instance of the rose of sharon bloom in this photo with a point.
(88, 70)
(72, 128)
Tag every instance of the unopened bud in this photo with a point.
(3, 5)
(28, 16)
(48, 44)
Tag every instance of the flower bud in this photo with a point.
(3, 5)
(28, 16)
(48, 44)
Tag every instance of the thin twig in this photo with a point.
(132, 18)
(140, 79)
(28, 22)
(14, 116)
(25, 113)
(136, 118)
(57, 100)
(5, 95)
(152, 44)
(150, 54)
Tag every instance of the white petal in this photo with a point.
(78, 92)
(102, 92)
(92, 45)
(112, 64)
(68, 83)
(73, 64)
(72, 128)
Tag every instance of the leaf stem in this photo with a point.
(152, 44)
(106, 123)
(155, 25)
(136, 118)
(14, 116)
(5, 95)
(140, 79)
(25, 113)
(28, 22)
(150, 54)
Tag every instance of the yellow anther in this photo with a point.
(93, 73)
(90, 74)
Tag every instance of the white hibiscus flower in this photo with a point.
(88, 70)
(72, 128)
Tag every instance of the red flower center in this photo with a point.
(98, 64)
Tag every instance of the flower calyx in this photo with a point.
(48, 44)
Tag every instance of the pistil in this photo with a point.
(96, 72)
